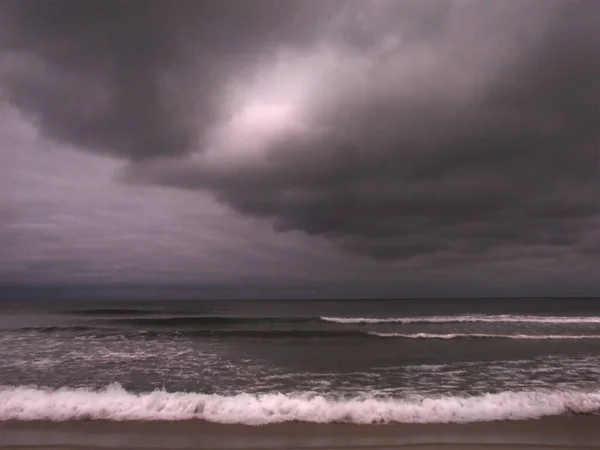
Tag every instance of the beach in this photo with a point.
(425, 374)
(568, 432)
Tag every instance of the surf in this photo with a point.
(466, 319)
(116, 404)
(450, 336)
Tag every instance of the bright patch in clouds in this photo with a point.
(259, 112)
(254, 127)
(276, 102)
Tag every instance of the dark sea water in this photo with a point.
(258, 362)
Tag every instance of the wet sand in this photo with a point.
(574, 432)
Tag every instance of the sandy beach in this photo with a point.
(300, 375)
(573, 432)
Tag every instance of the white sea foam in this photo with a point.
(466, 318)
(114, 403)
(485, 336)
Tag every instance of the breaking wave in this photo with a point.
(485, 336)
(466, 318)
(114, 403)
(301, 334)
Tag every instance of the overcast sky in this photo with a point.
(354, 147)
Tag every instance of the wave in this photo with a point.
(219, 333)
(485, 336)
(222, 320)
(114, 403)
(210, 321)
(175, 321)
(299, 334)
(53, 329)
(271, 334)
(112, 312)
(466, 318)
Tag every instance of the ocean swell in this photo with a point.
(485, 336)
(466, 319)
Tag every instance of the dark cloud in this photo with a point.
(443, 133)
(134, 79)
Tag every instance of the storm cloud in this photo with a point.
(425, 133)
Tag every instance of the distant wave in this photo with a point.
(114, 403)
(176, 320)
(485, 336)
(112, 312)
(220, 333)
(465, 318)
(209, 321)
(223, 320)
(276, 334)
(299, 333)
(48, 329)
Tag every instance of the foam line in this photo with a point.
(486, 336)
(466, 318)
(114, 403)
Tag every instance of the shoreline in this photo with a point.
(556, 432)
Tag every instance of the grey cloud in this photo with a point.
(64, 221)
(446, 133)
(134, 79)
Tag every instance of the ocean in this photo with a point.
(360, 362)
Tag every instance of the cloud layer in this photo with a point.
(430, 133)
